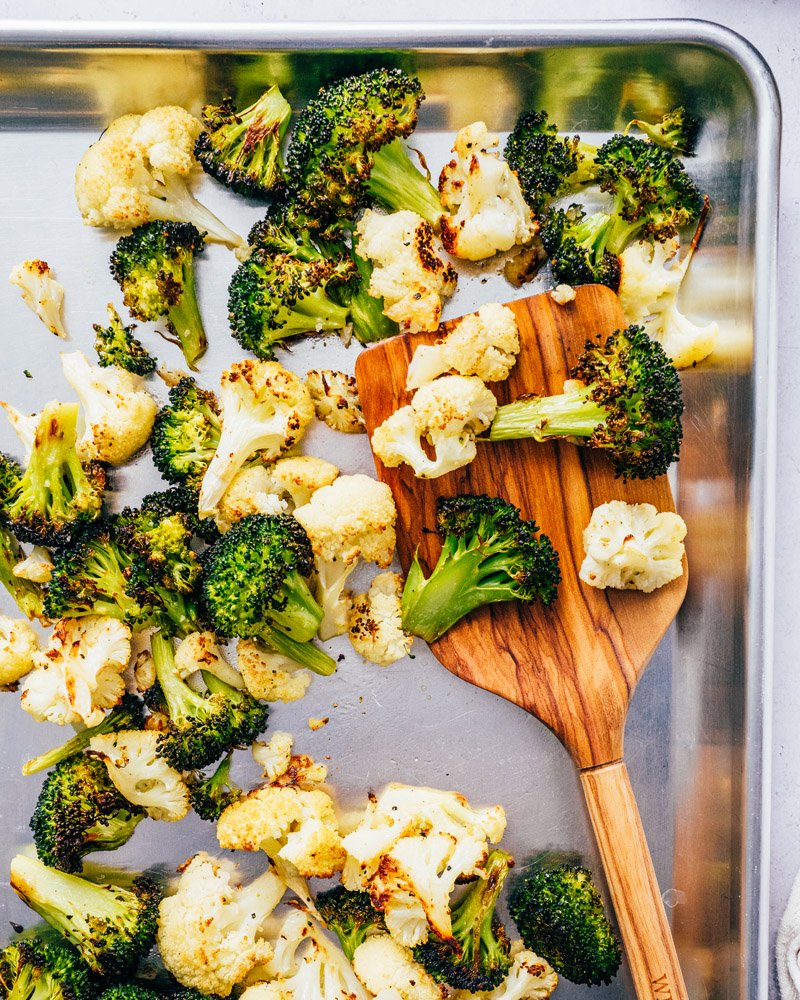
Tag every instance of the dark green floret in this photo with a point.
(629, 405)
(115, 344)
(288, 229)
(164, 542)
(129, 714)
(559, 915)
(350, 915)
(477, 957)
(27, 595)
(186, 433)
(154, 267)
(209, 796)
(112, 927)
(129, 991)
(182, 500)
(79, 811)
(255, 586)
(489, 554)
(56, 494)
(242, 149)
(33, 969)
(676, 131)
(345, 151)
(576, 244)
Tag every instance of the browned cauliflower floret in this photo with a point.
(375, 621)
(336, 401)
(41, 293)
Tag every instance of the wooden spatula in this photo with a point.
(573, 665)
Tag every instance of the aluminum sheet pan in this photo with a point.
(698, 724)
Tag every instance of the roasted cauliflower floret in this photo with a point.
(336, 401)
(631, 546)
(211, 932)
(482, 193)
(41, 293)
(78, 677)
(118, 411)
(18, 648)
(250, 492)
(384, 965)
(529, 978)
(269, 675)
(37, 566)
(375, 621)
(282, 767)
(485, 343)
(448, 414)
(408, 273)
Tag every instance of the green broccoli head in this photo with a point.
(154, 267)
(559, 915)
(112, 927)
(629, 405)
(242, 149)
(350, 915)
(182, 500)
(287, 228)
(115, 344)
(489, 553)
(209, 796)
(27, 595)
(576, 244)
(677, 131)
(186, 433)
(164, 542)
(129, 991)
(80, 811)
(33, 969)
(56, 494)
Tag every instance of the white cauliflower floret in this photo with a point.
(563, 294)
(448, 413)
(485, 343)
(351, 519)
(200, 651)
(648, 294)
(336, 401)
(118, 411)
(135, 173)
(375, 621)
(248, 493)
(382, 965)
(140, 774)
(483, 192)
(264, 408)
(273, 757)
(79, 676)
(408, 273)
(211, 933)
(631, 546)
(41, 293)
(24, 426)
(18, 648)
(36, 567)
(297, 477)
(269, 675)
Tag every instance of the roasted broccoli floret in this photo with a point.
(242, 149)
(345, 151)
(115, 344)
(129, 714)
(478, 957)
(33, 969)
(350, 915)
(489, 553)
(209, 796)
(186, 433)
(676, 131)
(27, 594)
(272, 297)
(254, 586)
(629, 404)
(287, 228)
(164, 542)
(559, 915)
(182, 500)
(110, 926)
(79, 811)
(129, 991)
(200, 728)
(370, 324)
(56, 494)
(547, 165)
(576, 244)
(154, 267)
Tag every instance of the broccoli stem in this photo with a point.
(300, 614)
(304, 653)
(397, 184)
(473, 914)
(366, 311)
(587, 169)
(182, 701)
(54, 473)
(571, 414)
(315, 311)
(113, 832)
(186, 322)
(26, 594)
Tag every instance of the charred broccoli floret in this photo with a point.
(115, 344)
(350, 915)
(186, 433)
(345, 151)
(164, 542)
(129, 714)
(559, 915)
(129, 991)
(576, 244)
(209, 796)
(629, 404)
(242, 149)
(79, 811)
(33, 969)
(254, 586)
(489, 553)
(154, 267)
(479, 959)
(111, 927)
(676, 131)
(287, 228)
(182, 500)
(27, 595)
(56, 494)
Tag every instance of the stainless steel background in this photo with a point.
(694, 741)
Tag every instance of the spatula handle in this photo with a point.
(649, 948)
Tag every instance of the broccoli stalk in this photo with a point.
(350, 915)
(186, 433)
(27, 594)
(210, 796)
(127, 715)
(367, 311)
(33, 969)
(629, 404)
(395, 183)
(111, 927)
(480, 958)
(488, 554)
(116, 345)
(676, 131)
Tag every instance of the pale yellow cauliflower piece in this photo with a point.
(409, 272)
(375, 621)
(18, 648)
(270, 675)
(41, 293)
(37, 566)
(631, 546)
(382, 964)
(282, 767)
(250, 492)
(336, 400)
